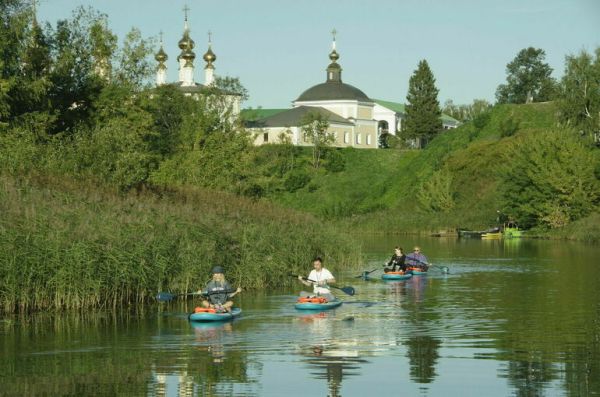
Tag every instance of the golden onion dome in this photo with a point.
(209, 56)
(186, 41)
(334, 56)
(188, 54)
(161, 55)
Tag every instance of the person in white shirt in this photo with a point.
(319, 278)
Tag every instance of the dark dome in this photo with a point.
(333, 90)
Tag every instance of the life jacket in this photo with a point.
(316, 299)
(204, 310)
(400, 272)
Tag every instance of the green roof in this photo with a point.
(400, 108)
(259, 113)
(395, 106)
(294, 117)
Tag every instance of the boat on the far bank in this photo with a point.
(508, 230)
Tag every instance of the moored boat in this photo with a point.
(202, 314)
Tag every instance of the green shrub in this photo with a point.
(296, 180)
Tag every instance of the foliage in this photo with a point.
(508, 127)
(296, 180)
(466, 112)
(528, 79)
(423, 112)
(579, 99)
(67, 244)
(550, 180)
(314, 126)
(435, 194)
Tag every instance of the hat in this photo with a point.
(217, 269)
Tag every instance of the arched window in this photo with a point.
(368, 139)
(358, 138)
(346, 137)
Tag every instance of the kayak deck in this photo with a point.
(207, 316)
(396, 276)
(318, 306)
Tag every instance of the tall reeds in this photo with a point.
(73, 245)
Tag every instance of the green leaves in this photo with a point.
(550, 180)
(423, 112)
(580, 92)
(528, 79)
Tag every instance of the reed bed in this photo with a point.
(67, 244)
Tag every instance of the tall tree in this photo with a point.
(528, 79)
(423, 112)
(314, 128)
(579, 100)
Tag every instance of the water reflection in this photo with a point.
(518, 318)
(333, 356)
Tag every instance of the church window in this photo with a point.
(368, 139)
(358, 140)
(266, 137)
(346, 137)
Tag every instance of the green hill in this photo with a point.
(385, 190)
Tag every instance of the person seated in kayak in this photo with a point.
(320, 278)
(397, 261)
(218, 292)
(417, 259)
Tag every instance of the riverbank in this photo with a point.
(67, 244)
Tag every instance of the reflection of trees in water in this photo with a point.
(422, 356)
(333, 365)
(582, 371)
(208, 369)
(530, 377)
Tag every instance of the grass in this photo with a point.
(73, 245)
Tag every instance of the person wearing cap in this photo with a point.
(417, 259)
(320, 277)
(218, 292)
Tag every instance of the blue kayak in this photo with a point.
(208, 316)
(318, 306)
(418, 273)
(396, 276)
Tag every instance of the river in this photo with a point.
(514, 317)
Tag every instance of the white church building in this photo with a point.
(355, 120)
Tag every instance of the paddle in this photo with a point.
(366, 273)
(166, 296)
(347, 290)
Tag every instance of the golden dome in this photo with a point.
(186, 41)
(209, 56)
(161, 55)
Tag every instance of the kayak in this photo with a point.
(211, 315)
(396, 276)
(417, 272)
(300, 305)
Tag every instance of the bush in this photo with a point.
(334, 161)
(481, 120)
(296, 180)
(508, 127)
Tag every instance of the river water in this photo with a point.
(515, 317)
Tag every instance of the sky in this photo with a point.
(279, 48)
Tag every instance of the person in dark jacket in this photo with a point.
(396, 262)
(218, 292)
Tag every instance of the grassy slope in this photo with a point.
(377, 190)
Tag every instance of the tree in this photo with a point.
(314, 127)
(423, 112)
(579, 99)
(551, 179)
(466, 112)
(528, 79)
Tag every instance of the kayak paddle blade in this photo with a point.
(164, 296)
